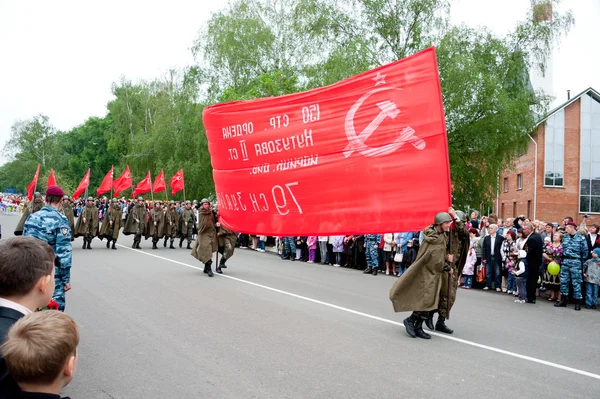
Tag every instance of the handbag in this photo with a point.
(481, 273)
(398, 257)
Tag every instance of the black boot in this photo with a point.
(429, 321)
(172, 247)
(374, 271)
(89, 246)
(419, 329)
(208, 268)
(222, 264)
(578, 304)
(180, 242)
(113, 246)
(84, 244)
(218, 269)
(441, 325)
(409, 324)
(189, 245)
(137, 245)
(134, 244)
(563, 302)
(107, 243)
(154, 245)
(165, 243)
(368, 270)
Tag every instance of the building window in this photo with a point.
(589, 169)
(506, 184)
(520, 181)
(554, 165)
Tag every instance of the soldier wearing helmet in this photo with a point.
(87, 224)
(171, 224)
(186, 224)
(31, 208)
(67, 210)
(418, 289)
(136, 222)
(206, 243)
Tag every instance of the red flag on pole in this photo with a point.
(123, 182)
(85, 182)
(107, 182)
(33, 184)
(51, 179)
(144, 186)
(177, 182)
(159, 182)
(359, 132)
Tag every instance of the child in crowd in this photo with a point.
(311, 241)
(469, 268)
(262, 242)
(41, 353)
(510, 267)
(591, 273)
(521, 273)
(338, 249)
(26, 284)
(409, 256)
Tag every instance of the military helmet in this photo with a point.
(461, 215)
(66, 197)
(188, 202)
(442, 217)
(37, 194)
(115, 200)
(140, 199)
(90, 198)
(172, 202)
(204, 200)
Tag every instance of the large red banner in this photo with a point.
(368, 154)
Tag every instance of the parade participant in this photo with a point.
(49, 225)
(460, 250)
(136, 222)
(87, 224)
(31, 208)
(67, 210)
(372, 242)
(111, 224)
(575, 252)
(206, 243)
(156, 224)
(227, 240)
(187, 224)
(418, 289)
(171, 224)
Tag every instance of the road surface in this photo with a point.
(154, 326)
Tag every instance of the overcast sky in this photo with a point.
(60, 58)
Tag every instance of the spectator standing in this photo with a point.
(591, 273)
(492, 258)
(553, 253)
(534, 246)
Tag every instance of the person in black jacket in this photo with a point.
(535, 250)
(491, 257)
(26, 284)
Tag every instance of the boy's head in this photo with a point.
(596, 253)
(26, 271)
(522, 254)
(409, 243)
(41, 350)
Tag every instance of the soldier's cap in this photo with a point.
(571, 224)
(90, 198)
(54, 191)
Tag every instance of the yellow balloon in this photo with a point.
(553, 268)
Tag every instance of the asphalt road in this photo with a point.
(154, 326)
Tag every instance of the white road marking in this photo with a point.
(381, 319)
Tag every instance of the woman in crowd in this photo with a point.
(553, 253)
(509, 282)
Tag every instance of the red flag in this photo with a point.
(51, 179)
(177, 182)
(144, 186)
(85, 182)
(107, 182)
(123, 182)
(33, 184)
(159, 182)
(364, 155)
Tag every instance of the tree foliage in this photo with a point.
(263, 48)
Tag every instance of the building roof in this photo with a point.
(589, 90)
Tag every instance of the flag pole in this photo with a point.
(184, 194)
(112, 181)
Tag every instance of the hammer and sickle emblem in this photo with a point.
(388, 109)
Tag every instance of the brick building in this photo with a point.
(565, 179)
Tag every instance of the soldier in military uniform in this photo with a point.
(418, 289)
(87, 224)
(187, 224)
(136, 222)
(206, 243)
(51, 226)
(171, 224)
(31, 208)
(372, 242)
(111, 224)
(226, 241)
(575, 252)
(460, 247)
(156, 224)
(67, 210)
